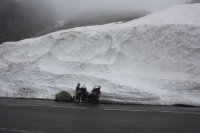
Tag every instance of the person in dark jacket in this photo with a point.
(78, 87)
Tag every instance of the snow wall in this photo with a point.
(152, 60)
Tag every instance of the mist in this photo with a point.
(68, 9)
(22, 19)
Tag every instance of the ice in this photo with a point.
(152, 60)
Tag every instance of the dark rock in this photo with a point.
(23, 19)
(194, 1)
(63, 96)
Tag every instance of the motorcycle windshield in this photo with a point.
(96, 86)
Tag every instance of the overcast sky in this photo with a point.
(71, 8)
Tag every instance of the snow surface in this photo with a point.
(152, 60)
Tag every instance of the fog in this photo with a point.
(72, 9)
(68, 9)
(21, 19)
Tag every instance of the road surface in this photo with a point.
(40, 116)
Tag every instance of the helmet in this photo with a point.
(78, 84)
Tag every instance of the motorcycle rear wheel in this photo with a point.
(95, 100)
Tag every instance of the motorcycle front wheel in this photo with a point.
(76, 99)
(95, 100)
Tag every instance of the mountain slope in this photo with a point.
(26, 19)
(20, 20)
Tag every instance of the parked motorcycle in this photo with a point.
(84, 96)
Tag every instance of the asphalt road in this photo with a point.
(38, 116)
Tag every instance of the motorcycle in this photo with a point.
(84, 96)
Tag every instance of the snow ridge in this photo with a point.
(151, 60)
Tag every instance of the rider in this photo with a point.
(78, 87)
(82, 89)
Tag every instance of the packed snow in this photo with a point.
(152, 60)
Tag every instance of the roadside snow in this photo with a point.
(151, 60)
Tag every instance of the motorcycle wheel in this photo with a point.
(77, 99)
(95, 100)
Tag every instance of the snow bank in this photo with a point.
(153, 60)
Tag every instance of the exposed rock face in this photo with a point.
(195, 1)
(21, 20)
(63, 96)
